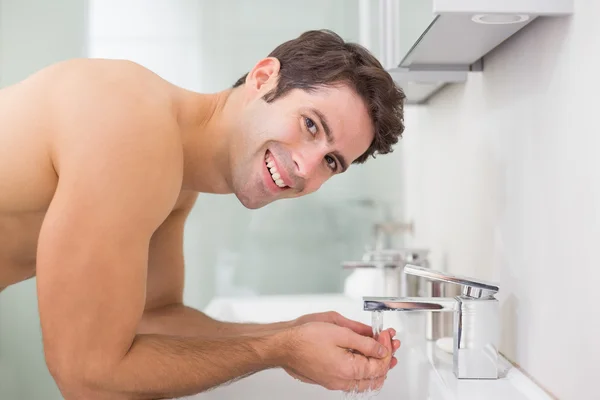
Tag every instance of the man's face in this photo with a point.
(291, 146)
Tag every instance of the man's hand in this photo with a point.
(336, 318)
(333, 317)
(337, 358)
(386, 338)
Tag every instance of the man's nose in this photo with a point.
(306, 163)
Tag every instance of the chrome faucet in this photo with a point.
(476, 320)
(392, 262)
(384, 231)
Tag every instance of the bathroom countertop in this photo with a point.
(424, 372)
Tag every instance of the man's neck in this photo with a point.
(207, 127)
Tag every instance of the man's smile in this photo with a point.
(277, 176)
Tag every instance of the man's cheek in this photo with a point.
(318, 183)
(311, 188)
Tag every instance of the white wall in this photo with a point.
(503, 180)
(163, 35)
(36, 33)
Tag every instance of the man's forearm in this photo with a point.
(180, 320)
(159, 366)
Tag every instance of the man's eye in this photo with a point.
(331, 163)
(310, 125)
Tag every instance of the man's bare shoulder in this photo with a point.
(105, 71)
(116, 119)
(107, 79)
(111, 97)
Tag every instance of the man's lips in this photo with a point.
(270, 183)
(283, 173)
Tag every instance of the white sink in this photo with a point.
(276, 384)
(422, 372)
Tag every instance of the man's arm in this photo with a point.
(178, 319)
(119, 163)
(164, 311)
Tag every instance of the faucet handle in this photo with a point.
(474, 288)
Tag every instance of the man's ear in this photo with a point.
(263, 77)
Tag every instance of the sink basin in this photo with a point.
(266, 309)
(276, 384)
(422, 373)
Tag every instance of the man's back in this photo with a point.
(30, 113)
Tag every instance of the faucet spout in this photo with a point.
(439, 304)
(476, 320)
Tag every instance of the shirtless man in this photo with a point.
(101, 162)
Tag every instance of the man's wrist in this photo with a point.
(273, 348)
(264, 327)
(284, 325)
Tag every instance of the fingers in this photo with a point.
(385, 339)
(363, 366)
(365, 384)
(393, 345)
(355, 326)
(380, 367)
(373, 384)
(368, 368)
(370, 372)
(375, 380)
(367, 346)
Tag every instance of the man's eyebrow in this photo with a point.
(330, 138)
(342, 161)
(325, 125)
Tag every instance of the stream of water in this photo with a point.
(377, 326)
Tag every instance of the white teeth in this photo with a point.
(273, 170)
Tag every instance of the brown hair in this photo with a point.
(323, 58)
